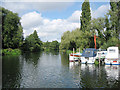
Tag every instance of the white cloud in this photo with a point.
(75, 16)
(47, 29)
(101, 11)
(53, 29)
(22, 7)
(31, 20)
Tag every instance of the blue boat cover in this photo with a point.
(89, 52)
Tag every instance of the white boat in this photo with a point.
(112, 57)
(88, 56)
(74, 57)
(101, 54)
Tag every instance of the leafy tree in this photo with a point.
(12, 32)
(54, 45)
(86, 15)
(118, 5)
(32, 43)
(114, 17)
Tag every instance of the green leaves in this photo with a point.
(32, 43)
(86, 15)
(75, 39)
(12, 32)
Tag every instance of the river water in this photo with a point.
(53, 70)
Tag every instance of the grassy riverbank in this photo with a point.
(10, 51)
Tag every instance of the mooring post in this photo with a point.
(73, 51)
(79, 50)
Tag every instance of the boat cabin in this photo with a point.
(112, 53)
(89, 52)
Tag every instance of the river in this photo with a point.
(53, 70)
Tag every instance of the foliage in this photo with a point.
(32, 43)
(10, 51)
(86, 15)
(54, 45)
(12, 32)
(75, 39)
(105, 28)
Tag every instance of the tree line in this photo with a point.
(107, 29)
(12, 35)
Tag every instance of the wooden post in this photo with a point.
(73, 54)
(79, 50)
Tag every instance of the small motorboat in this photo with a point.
(112, 57)
(88, 55)
(101, 54)
(73, 57)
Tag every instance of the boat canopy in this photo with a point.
(89, 52)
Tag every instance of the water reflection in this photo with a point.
(11, 71)
(64, 59)
(92, 76)
(32, 57)
(113, 75)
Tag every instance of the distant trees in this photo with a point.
(32, 43)
(54, 45)
(85, 16)
(12, 32)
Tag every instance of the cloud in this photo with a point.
(53, 29)
(47, 29)
(101, 11)
(75, 16)
(31, 20)
(22, 7)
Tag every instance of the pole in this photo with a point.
(73, 53)
(79, 50)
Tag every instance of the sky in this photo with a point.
(52, 19)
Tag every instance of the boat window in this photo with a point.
(87, 51)
(95, 53)
(111, 50)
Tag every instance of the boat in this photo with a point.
(101, 54)
(112, 57)
(88, 55)
(73, 57)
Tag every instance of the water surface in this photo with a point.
(53, 70)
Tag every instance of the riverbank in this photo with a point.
(10, 51)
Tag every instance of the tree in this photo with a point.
(85, 16)
(54, 45)
(32, 42)
(12, 32)
(118, 6)
(114, 17)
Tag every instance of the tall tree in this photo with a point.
(114, 17)
(118, 6)
(32, 42)
(86, 15)
(12, 32)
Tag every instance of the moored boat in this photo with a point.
(101, 54)
(73, 57)
(112, 57)
(88, 56)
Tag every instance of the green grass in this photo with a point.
(10, 51)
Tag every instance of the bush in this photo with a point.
(10, 51)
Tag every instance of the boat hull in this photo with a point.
(90, 60)
(74, 58)
(112, 62)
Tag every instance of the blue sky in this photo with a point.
(52, 19)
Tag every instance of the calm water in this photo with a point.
(53, 70)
